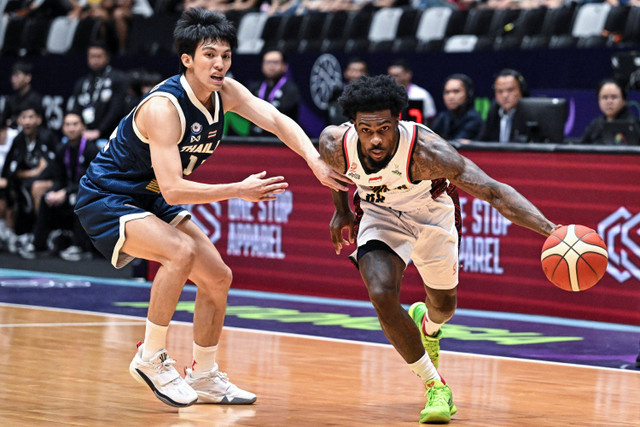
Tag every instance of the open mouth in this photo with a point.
(376, 153)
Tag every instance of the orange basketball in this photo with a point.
(574, 257)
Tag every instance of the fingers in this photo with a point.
(336, 185)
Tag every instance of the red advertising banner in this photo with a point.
(284, 245)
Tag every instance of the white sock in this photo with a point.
(204, 360)
(429, 326)
(155, 338)
(424, 369)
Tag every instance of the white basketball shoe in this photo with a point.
(215, 387)
(162, 378)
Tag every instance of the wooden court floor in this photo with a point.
(71, 368)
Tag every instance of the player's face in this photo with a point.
(610, 100)
(378, 134)
(507, 92)
(454, 94)
(72, 127)
(210, 64)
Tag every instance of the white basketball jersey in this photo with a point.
(391, 186)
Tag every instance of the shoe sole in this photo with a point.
(203, 398)
(143, 379)
(439, 418)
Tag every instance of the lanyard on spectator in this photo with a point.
(67, 156)
(276, 88)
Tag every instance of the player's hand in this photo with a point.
(328, 176)
(339, 222)
(257, 188)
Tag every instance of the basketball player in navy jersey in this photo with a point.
(407, 209)
(129, 201)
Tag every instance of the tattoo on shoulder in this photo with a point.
(331, 150)
(431, 156)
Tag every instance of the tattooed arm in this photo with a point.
(331, 152)
(435, 158)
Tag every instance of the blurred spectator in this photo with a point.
(113, 14)
(99, 97)
(401, 72)
(56, 207)
(140, 81)
(503, 122)
(460, 120)
(7, 219)
(25, 172)
(356, 68)
(612, 100)
(243, 5)
(276, 88)
(283, 7)
(23, 94)
(36, 8)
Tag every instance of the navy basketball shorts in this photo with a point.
(103, 215)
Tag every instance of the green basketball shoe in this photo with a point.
(430, 343)
(439, 407)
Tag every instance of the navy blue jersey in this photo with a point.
(123, 166)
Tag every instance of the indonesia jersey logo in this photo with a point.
(196, 128)
(376, 179)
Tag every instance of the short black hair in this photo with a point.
(400, 63)
(285, 59)
(100, 44)
(368, 94)
(37, 108)
(613, 82)
(22, 67)
(197, 25)
(522, 83)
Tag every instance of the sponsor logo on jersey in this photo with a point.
(196, 128)
(195, 138)
(353, 167)
(353, 175)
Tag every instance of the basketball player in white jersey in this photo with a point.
(406, 209)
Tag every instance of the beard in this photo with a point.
(376, 165)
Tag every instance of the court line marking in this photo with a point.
(338, 340)
(263, 295)
(66, 324)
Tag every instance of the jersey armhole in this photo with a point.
(345, 150)
(175, 103)
(412, 147)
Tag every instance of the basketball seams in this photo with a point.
(576, 264)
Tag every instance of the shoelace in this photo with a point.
(223, 376)
(166, 364)
(432, 394)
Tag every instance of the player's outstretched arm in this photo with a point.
(343, 218)
(159, 121)
(436, 158)
(237, 98)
